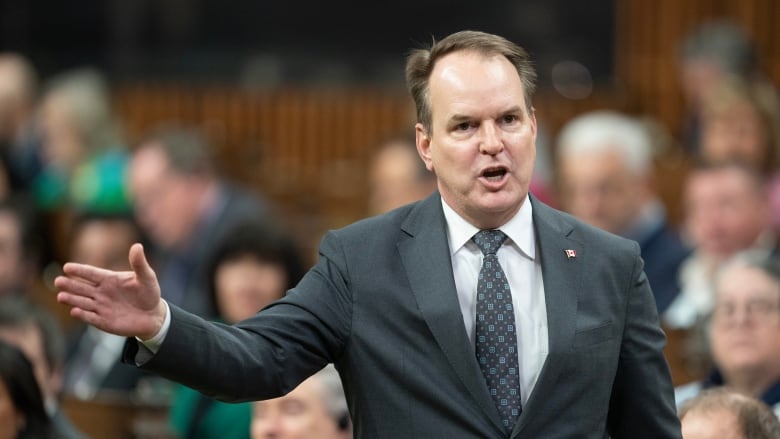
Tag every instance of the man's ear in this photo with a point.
(423, 141)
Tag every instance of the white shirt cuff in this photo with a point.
(154, 343)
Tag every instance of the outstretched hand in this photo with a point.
(125, 303)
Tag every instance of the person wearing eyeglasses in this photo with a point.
(743, 328)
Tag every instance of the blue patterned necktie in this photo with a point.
(496, 340)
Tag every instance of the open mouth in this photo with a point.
(494, 174)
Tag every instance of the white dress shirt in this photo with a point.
(517, 257)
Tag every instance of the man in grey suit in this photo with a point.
(425, 330)
(184, 205)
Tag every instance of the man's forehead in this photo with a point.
(458, 66)
(465, 84)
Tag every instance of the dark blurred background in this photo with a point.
(344, 41)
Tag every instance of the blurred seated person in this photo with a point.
(19, 134)
(21, 247)
(316, 409)
(84, 155)
(605, 172)
(714, 51)
(24, 251)
(726, 414)
(93, 362)
(743, 331)
(254, 265)
(183, 206)
(726, 211)
(35, 331)
(740, 121)
(22, 413)
(397, 176)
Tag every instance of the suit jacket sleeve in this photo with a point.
(642, 403)
(268, 354)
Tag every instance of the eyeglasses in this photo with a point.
(756, 310)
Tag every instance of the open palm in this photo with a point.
(125, 303)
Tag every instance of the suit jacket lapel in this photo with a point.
(426, 256)
(561, 276)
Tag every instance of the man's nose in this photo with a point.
(490, 139)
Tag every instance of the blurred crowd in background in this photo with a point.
(75, 186)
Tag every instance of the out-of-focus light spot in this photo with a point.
(572, 80)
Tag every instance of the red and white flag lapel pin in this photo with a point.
(570, 253)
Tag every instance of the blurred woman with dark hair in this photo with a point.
(22, 414)
(254, 265)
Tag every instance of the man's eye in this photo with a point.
(510, 118)
(463, 126)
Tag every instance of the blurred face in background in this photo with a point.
(164, 201)
(63, 145)
(16, 94)
(735, 133)
(698, 76)
(746, 323)
(104, 243)
(600, 189)
(246, 284)
(395, 178)
(726, 211)
(301, 414)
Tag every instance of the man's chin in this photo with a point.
(502, 201)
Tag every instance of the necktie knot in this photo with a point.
(489, 240)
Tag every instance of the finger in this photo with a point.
(86, 316)
(139, 264)
(90, 273)
(76, 301)
(75, 286)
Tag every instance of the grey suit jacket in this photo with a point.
(381, 304)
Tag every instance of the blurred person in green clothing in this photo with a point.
(84, 156)
(254, 265)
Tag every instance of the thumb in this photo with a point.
(139, 264)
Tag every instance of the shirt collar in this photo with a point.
(519, 229)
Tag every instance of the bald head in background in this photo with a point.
(724, 414)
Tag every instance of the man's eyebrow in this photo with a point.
(514, 109)
(457, 118)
